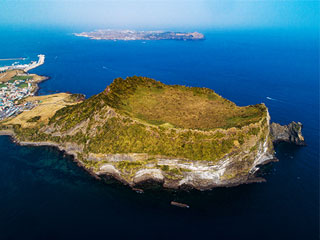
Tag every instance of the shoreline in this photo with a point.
(37, 88)
(10, 133)
(146, 181)
(203, 176)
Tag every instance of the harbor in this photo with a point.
(24, 67)
(12, 59)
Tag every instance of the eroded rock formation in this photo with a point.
(290, 133)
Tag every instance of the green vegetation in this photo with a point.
(23, 77)
(76, 97)
(158, 104)
(183, 107)
(173, 173)
(129, 166)
(118, 136)
(23, 85)
(34, 119)
(141, 115)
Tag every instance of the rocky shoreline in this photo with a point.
(144, 180)
(238, 166)
(42, 79)
(48, 144)
(153, 178)
(148, 178)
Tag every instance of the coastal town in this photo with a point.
(15, 85)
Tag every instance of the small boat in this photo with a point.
(177, 204)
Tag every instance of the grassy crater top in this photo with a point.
(178, 106)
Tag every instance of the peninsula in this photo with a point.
(140, 130)
(140, 35)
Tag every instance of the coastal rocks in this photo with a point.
(290, 133)
(148, 174)
(175, 173)
(109, 169)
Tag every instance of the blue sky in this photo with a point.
(161, 14)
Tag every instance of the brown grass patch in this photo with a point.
(7, 76)
(45, 109)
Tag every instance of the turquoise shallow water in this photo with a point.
(44, 195)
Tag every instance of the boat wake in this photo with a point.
(269, 98)
(273, 99)
(111, 70)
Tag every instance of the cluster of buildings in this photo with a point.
(16, 89)
(10, 93)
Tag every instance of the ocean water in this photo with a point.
(45, 195)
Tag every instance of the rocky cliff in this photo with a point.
(139, 130)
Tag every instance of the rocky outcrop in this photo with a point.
(290, 133)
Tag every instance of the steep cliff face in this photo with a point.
(235, 167)
(140, 130)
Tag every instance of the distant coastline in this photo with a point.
(131, 35)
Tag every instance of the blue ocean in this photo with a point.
(45, 195)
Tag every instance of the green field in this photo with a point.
(22, 77)
(141, 115)
(23, 85)
(153, 102)
(179, 106)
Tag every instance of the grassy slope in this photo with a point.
(177, 106)
(154, 118)
(7, 76)
(141, 115)
(184, 107)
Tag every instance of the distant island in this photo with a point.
(139, 130)
(129, 35)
